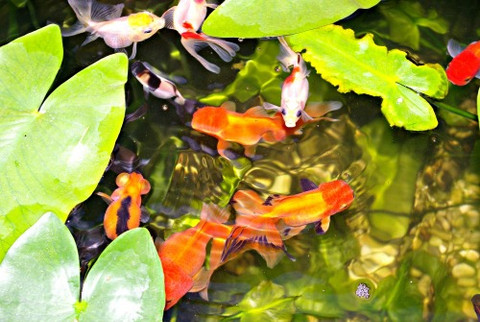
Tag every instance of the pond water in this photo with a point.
(409, 246)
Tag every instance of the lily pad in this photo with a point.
(361, 66)
(269, 18)
(54, 150)
(40, 278)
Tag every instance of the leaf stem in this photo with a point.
(455, 110)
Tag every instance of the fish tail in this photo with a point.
(193, 42)
(177, 282)
(287, 56)
(88, 11)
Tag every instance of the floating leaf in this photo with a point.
(266, 302)
(126, 282)
(40, 278)
(53, 151)
(268, 18)
(361, 66)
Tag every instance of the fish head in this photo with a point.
(134, 183)
(291, 111)
(463, 68)
(145, 24)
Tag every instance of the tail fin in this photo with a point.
(193, 42)
(287, 56)
(90, 10)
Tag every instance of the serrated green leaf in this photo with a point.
(266, 302)
(361, 66)
(53, 153)
(39, 276)
(126, 283)
(269, 18)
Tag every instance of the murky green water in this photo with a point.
(412, 236)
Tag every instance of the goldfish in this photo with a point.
(294, 88)
(183, 254)
(123, 212)
(281, 217)
(465, 64)
(251, 127)
(153, 82)
(246, 129)
(105, 21)
(187, 18)
(476, 305)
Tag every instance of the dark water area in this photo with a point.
(411, 239)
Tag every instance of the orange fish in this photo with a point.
(183, 254)
(123, 212)
(280, 217)
(253, 126)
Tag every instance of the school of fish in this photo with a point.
(260, 224)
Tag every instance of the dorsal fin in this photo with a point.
(257, 111)
(213, 213)
(454, 48)
(168, 16)
(307, 185)
(104, 12)
(229, 106)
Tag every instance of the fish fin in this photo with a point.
(257, 111)
(271, 255)
(75, 29)
(478, 74)
(104, 12)
(201, 280)
(307, 185)
(139, 112)
(454, 48)
(229, 106)
(248, 202)
(272, 200)
(177, 282)
(82, 10)
(105, 197)
(134, 51)
(226, 50)
(222, 147)
(213, 213)
(211, 5)
(144, 215)
(287, 231)
(287, 56)
(269, 106)
(305, 117)
(249, 151)
(321, 226)
(319, 109)
(89, 39)
(192, 45)
(168, 16)
(160, 74)
(241, 237)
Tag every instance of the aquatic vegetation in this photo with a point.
(54, 149)
(399, 82)
(266, 18)
(44, 279)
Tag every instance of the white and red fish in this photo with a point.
(154, 82)
(187, 18)
(105, 21)
(295, 88)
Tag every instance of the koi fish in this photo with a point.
(187, 18)
(153, 82)
(294, 88)
(105, 21)
(123, 212)
(281, 217)
(246, 129)
(183, 254)
(465, 64)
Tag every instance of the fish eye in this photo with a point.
(147, 31)
(284, 112)
(299, 113)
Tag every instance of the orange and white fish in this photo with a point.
(281, 217)
(246, 129)
(187, 18)
(154, 82)
(123, 212)
(465, 64)
(105, 21)
(183, 254)
(295, 88)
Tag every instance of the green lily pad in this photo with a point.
(54, 150)
(40, 278)
(361, 66)
(269, 18)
